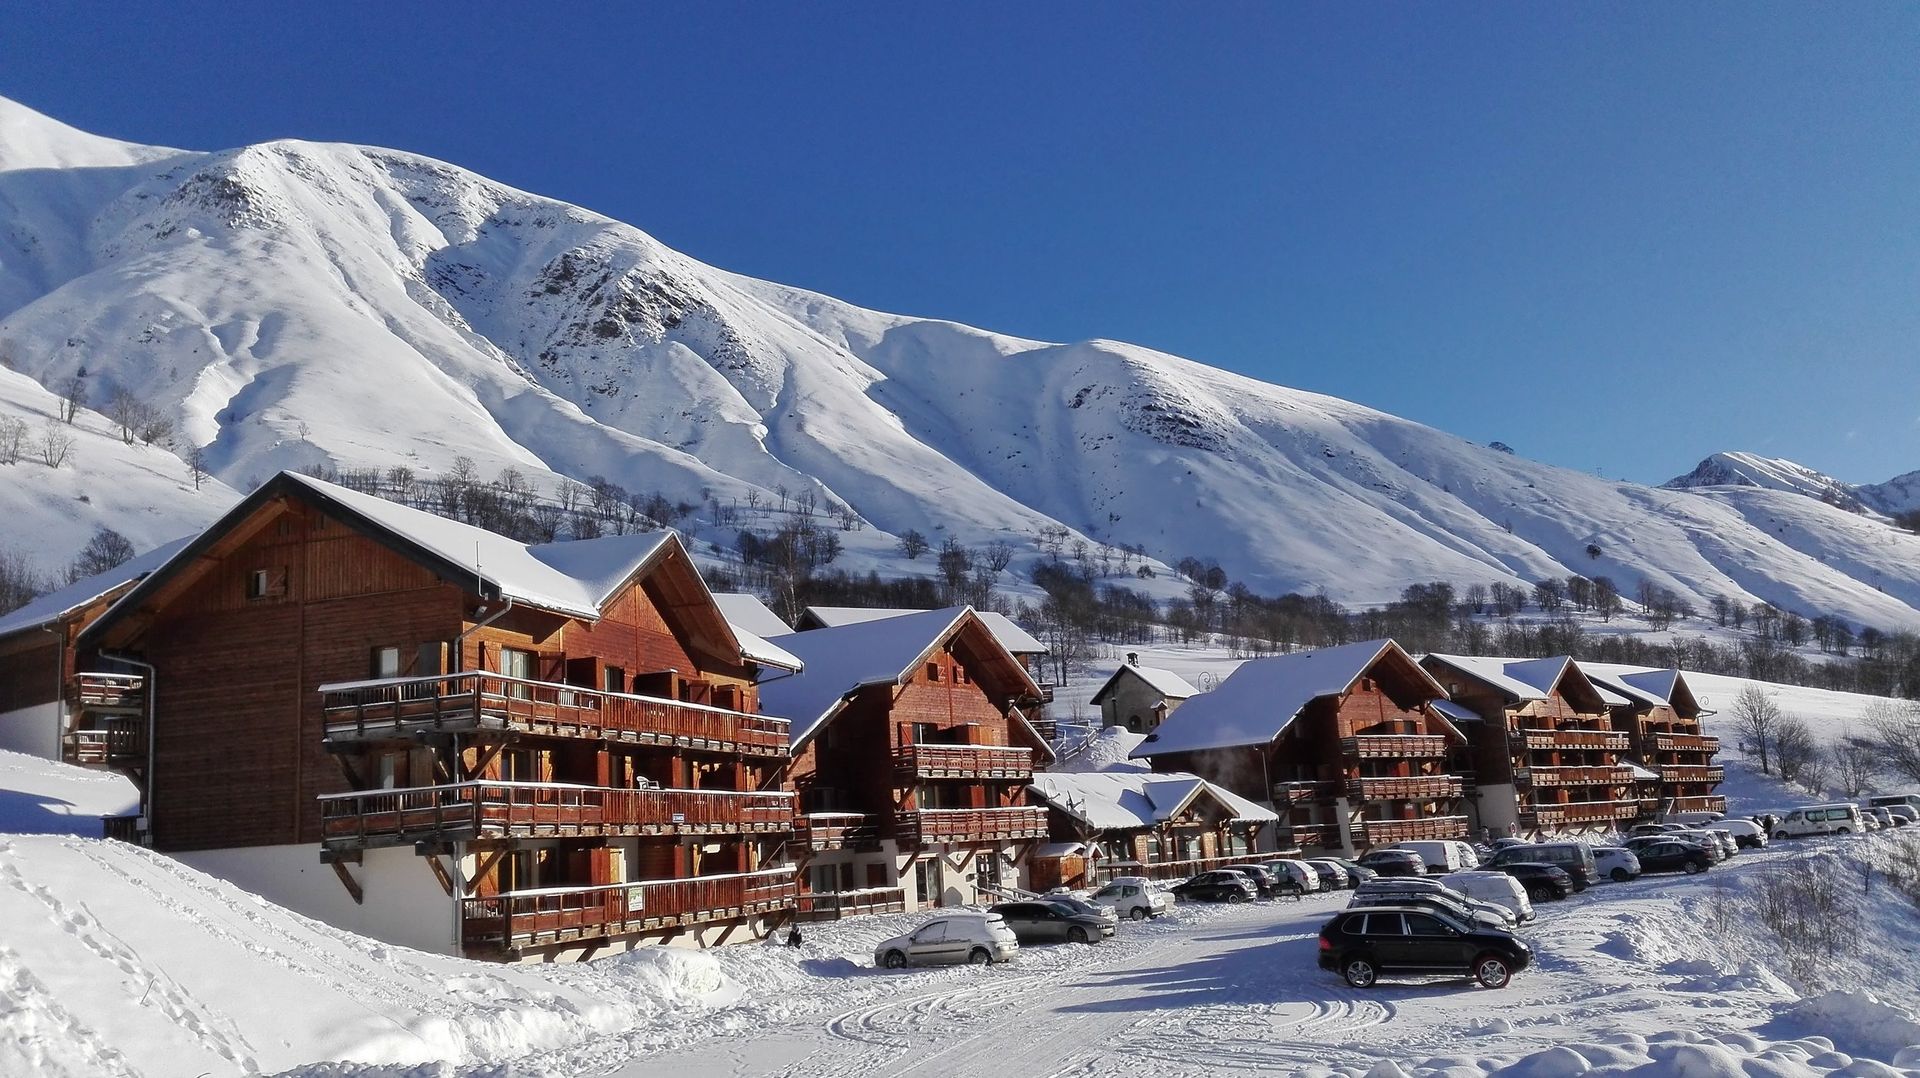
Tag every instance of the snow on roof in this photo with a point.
(1262, 697)
(839, 660)
(744, 610)
(1522, 679)
(1053, 851)
(1455, 712)
(1130, 800)
(1638, 684)
(1640, 773)
(1011, 636)
(755, 648)
(56, 604)
(1106, 751)
(1165, 682)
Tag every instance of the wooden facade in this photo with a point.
(318, 681)
(1093, 840)
(1663, 729)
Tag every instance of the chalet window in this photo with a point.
(959, 674)
(613, 679)
(386, 662)
(925, 733)
(823, 879)
(516, 663)
(926, 880)
(259, 583)
(986, 875)
(933, 671)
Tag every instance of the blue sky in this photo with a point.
(1617, 237)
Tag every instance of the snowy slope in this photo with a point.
(295, 302)
(1772, 473)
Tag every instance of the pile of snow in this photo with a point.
(1108, 750)
(40, 796)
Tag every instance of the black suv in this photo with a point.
(1394, 863)
(1673, 856)
(1361, 944)
(1543, 882)
(1263, 881)
(1217, 886)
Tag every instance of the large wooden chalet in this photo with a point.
(911, 757)
(1546, 757)
(1346, 742)
(1142, 823)
(441, 737)
(1661, 716)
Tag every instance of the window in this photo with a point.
(933, 671)
(987, 870)
(515, 663)
(932, 933)
(259, 584)
(1421, 925)
(386, 662)
(613, 679)
(924, 733)
(926, 880)
(822, 879)
(1385, 924)
(959, 674)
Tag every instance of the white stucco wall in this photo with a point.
(404, 903)
(1498, 809)
(33, 730)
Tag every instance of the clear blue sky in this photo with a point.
(1616, 236)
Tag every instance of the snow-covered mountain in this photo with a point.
(295, 302)
(1772, 473)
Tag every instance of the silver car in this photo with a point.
(976, 938)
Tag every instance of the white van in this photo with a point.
(1834, 819)
(1442, 855)
(1746, 833)
(1495, 887)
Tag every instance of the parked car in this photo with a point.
(1441, 856)
(1362, 944)
(1049, 922)
(950, 939)
(1884, 817)
(1439, 897)
(1693, 819)
(1616, 863)
(1719, 840)
(1670, 855)
(1745, 833)
(1868, 821)
(1107, 914)
(1495, 887)
(1655, 828)
(1217, 885)
(1829, 819)
(1713, 851)
(1544, 882)
(1357, 873)
(1388, 861)
(1265, 883)
(1333, 875)
(1903, 814)
(1502, 843)
(1296, 873)
(1435, 885)
(1573, 857)
(1912, 801)
(1133, 897)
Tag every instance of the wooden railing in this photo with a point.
(1381, 832)
(1547, 740)
(121, 828)
(1304, 790)
(1692, 773)
(1395, 746)
(964, 762)
(1324, 835)
(836, 905)
(835, 830)
(1403, 787)
(923, 827)
(1703, 803)
(114, 742)
(110, 692)
(1576, 776)
(1686, 743)
(559, 914)
(536, 809)
(1580, 812)
(480, 700)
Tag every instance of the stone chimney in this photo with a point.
(1133, 658)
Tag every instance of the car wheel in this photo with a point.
(1694, 868)
(1359, 973)
(1778, 835)
(1539, 894)
(1620, 875)
(1492, 971)
(1076, 935)
(895, 960)
(1238, 896)
(980, 957)
(1844, 831)
(1139, 913)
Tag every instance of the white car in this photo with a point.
(1497, 888)
(1830, 819)
(1616, 863)
(1745, 833)
(1133, 897)
(1299, 872)
(978, 939)
(1880, 815)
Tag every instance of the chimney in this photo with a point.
(1133, 658)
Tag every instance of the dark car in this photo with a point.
(1265, 883)
(1395, 862)
(1673, 856)
(1216, 886)
(1362, 944)
(1654, 829)
(1357, 873)
(1429, 900)
(1502, 843)
(1543, 882)
(1046, 922)
(1079, 905)
(1333, 876)
(1712, 851)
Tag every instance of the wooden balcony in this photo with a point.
(1571, 740)
(1579, 813)
(836, 830)
(488, 810)
(402, 707)
(1304, 790)
(1685, 743)
(1702, 803)
(1395, 746)
(1324, 835)
(1712, 773)
(1383, 832)
(1404, 788)
(110, 692)
(993, 762)
(1576, 776)
(1015, 823)
(115, 742)
(549, 915)
(838, 905)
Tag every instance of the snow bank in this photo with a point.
(40, 796)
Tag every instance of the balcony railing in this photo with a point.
(1404, 787)
(836, 905)
(924, 827)
(1686, 743)
(1395, 746)
(1581, 740)
(1381, 832)
(1580, 812)
(1576, 776)
(1693, 773)
(110, 692)
(964, 762)
(519, 919)
(1304, 790)
(1703, 803)
(1324, 835)
(471, 810)
(115, 741)
(472, 700)
(836, 830)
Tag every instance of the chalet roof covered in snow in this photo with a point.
(1260, 699)
(1131, 800)
(744, 610)
(1645, 686)
(1522, 680)
(60, 602)
(1165, 682)
(1455, 712)
(1011, 636)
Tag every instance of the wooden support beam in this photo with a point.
(440, 873)
(355, 781)
(352, 885)
(483, 866)
(487, 754)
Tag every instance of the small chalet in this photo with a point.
(1142, 823)
(444, 738)
(1347, 743)
(1545, 755)
(911, 758)
(1139, 698)
(1661, 717)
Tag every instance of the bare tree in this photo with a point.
(913, 544)
(997, 555)
(13, 439)
(1797, 754)
(56, 445)
(197, 465)
(1757, 717)
(1855, 764)
(73, 397)
(19, 584)
(105, 550)
(1894, 727)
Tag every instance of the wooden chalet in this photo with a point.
(1139, 698)
(1141, 823)
(1346, 743)
(1546, 757)
(911, 758)
(438, 736)
(1019, 643)
(1661, 717)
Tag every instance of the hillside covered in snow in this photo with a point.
(291, 304)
